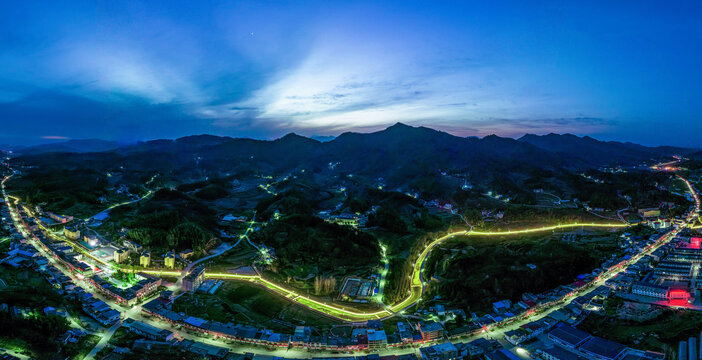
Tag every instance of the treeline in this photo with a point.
(38, 332)
(211, 189)
(182, 235)
(324, 285)
(291, 202)
(392, 220)
(62, 191)
(493, 272)
(307, 240)
(170, 220)
(641, 186)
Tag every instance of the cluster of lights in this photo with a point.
(417, 285)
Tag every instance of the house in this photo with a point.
(602, 349)
(431, 331)
(205, 350)
(568, 336)
(501, 306)
(445, 351)
(377, 339)
(148, 331)
(649, 212)
(404, 332)
(121, 255)
(650, 290)
(169, 260)
(187, 253)
(193, 280)
(557, 353)
(71, 232)
(302, 334)
(501, 354)
(145, 259)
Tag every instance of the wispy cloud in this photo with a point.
(355, 87)
(55, 137)
(142, 70)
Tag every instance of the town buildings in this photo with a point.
(193, 280)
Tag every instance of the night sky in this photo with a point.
(124, 70)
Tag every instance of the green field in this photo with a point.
(244, 303)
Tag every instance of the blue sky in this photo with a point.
(125, 70)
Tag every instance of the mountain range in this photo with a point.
(398, 151)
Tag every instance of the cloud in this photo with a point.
(115, 67)
(121, 117)
(354, 87)
(55, 137)
(521, 126)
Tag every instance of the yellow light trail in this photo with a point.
(416, 286)
(330, 310)
(341, 313)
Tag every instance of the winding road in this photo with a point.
(417, 282)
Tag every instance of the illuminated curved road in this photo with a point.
(345, 314)
(417, 284)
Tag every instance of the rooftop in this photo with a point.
(569, 335)
(603, 348)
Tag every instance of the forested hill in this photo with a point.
(398, 155)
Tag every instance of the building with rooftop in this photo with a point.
(377, 339)
(568, 336)
(148, 331)
(445, 351)
(501, 354)
(71, 232)
(193, 280)
(650, 212)
(602, 349)
(431, 330)
(650, 290)
(557, 353)
(145, 259)
(186, 253)
(120, 255)
(169, 260)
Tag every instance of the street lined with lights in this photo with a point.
(343, 313)
(417, 282)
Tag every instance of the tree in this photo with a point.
(187, 235)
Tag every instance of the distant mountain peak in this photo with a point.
(295, 138)
(594, 151)
(74, 146)
(399, 125)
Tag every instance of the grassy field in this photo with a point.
(243, 255)
(249, 304)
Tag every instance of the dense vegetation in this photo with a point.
(37, 332)
(71, 192)
(170, 220)
(301, 239)
(661, 333)
(478, 271)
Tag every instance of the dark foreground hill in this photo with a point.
(598, 153)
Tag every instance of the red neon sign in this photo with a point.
(678, 294)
